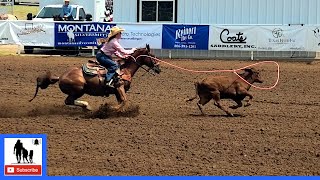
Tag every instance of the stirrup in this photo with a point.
(109, 83)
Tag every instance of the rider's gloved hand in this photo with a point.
(126, 57)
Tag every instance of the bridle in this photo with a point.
(153, 60)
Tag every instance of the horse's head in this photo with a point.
(145, 57)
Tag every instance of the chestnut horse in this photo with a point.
(75, 83)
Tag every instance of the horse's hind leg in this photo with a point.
(72, 100)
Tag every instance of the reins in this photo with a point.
(135, 61)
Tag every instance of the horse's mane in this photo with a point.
(135, 54)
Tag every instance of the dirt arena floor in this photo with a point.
(279, 134)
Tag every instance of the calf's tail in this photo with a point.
(43, 81)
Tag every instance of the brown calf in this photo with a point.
(222, 87)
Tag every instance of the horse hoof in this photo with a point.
(230, 115)
(88, 108)
(246, 105)
(116, 108)
(123, 109)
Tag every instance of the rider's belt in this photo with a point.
(105, 54)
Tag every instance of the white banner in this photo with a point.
(221, 37)
(5, 34)
(282, 38)
(30, 33)
(232, 38)
(313, 38)
(138, 35)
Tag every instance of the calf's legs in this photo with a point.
(239, 104)
(216, 97)
(244, 93)
(249, 100)
(204, 99)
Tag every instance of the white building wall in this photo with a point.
(232, 12)
(125, 11)
(249, 11)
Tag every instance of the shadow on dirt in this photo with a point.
(105, 111)
(217, 115)
(16, 112)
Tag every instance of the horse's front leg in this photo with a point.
(121, 97)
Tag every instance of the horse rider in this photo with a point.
(67, 11)
(18, 150)
(110, 47)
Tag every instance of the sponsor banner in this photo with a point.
(233, 38)
(80, 34)
(5, 34)
(313, 38)
(282, 38)
(30, 33)
(138, 35)
(23, 154)
(185, 37)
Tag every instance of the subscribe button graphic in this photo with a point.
(23, 170)
(23, 156)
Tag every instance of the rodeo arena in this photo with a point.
(212, 88)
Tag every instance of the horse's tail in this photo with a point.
(196, 84)
(43, 81)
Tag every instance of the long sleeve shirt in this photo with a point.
(67, 10)
(114, 47)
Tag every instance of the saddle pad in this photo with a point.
(93, 69)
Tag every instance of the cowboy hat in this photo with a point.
(66, 0)
(114, 31)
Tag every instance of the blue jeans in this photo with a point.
(107, 62)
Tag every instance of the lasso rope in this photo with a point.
(232, 70)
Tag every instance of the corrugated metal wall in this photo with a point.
(249, 11)
(125, 11)
(232, 12)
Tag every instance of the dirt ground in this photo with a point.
(279, 134)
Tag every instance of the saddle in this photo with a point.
(93, 68)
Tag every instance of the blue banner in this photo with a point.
(80, 34)
(185, 37)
